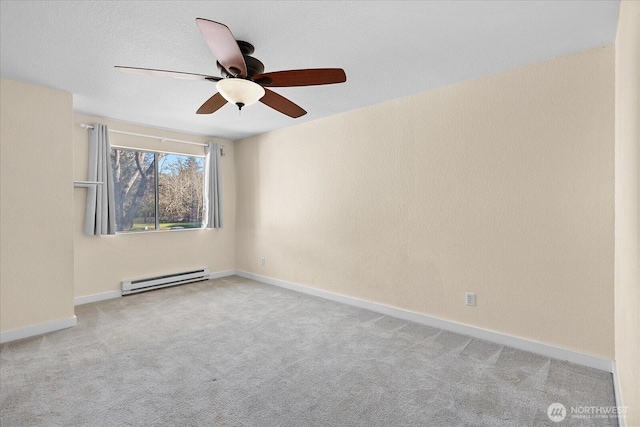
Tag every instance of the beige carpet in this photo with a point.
(234, 352)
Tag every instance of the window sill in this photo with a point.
(166, 230)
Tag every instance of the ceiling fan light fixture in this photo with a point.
(240, 92)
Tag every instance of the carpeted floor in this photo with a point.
(234, 352)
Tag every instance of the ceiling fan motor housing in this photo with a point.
(254, 66)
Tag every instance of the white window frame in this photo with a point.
(156, 188)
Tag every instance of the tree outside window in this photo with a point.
(156, 191)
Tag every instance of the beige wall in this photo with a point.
(627, 216)
(36, 205)
(502, 186)
(103, 262)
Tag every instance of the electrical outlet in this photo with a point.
(470, 299)
(263, 262)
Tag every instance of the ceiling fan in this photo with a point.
(243, 80)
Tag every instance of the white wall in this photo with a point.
(502, 186)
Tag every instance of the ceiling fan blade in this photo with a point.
(164, 73)
(308, 77)
(282, 104)
(212, 104)
(223, 46)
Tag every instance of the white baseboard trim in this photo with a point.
(616, 392)
(459, 328)
(220, 274)
(96, 297)
(39, 329)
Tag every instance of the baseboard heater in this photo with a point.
(148, 284)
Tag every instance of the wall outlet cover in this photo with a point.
(470, 299)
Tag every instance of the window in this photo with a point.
(157, 191)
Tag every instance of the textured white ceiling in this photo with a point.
(388, 49)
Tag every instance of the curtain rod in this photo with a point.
(161, 138)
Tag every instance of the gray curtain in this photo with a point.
(212, 215)
(100, 215)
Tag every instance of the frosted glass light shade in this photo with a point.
(240, 92)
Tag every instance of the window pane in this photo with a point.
(134, 182)
(180, 184)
